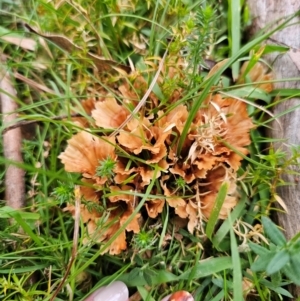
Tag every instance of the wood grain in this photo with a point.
(12, 142)
(264, 12)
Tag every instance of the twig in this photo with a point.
(75, 242)
(28, 122)
(12, 142)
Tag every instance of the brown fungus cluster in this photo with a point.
(118, 169)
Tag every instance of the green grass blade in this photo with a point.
(17, 216)
(194, 269)
(134, 278)
(216, 210)
(225, 227)
(219, 296)
(144, 293)
(208, 267)
(234, 33)
(236, 263)
(26, 269)
(164, 229)
(8, 212)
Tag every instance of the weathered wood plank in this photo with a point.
(264, 12)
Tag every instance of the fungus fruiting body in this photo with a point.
(119, 169)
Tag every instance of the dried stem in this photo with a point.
(144, 99)
(12, 142)
(28, 122)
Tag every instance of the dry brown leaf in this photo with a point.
(216, 67)
(66, 44)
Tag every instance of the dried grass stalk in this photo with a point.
(12, 143)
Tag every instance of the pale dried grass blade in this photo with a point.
(281, 202)
(144, 99)
(254, 105)
(25, 43)
(75, 242)
(33, 84)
